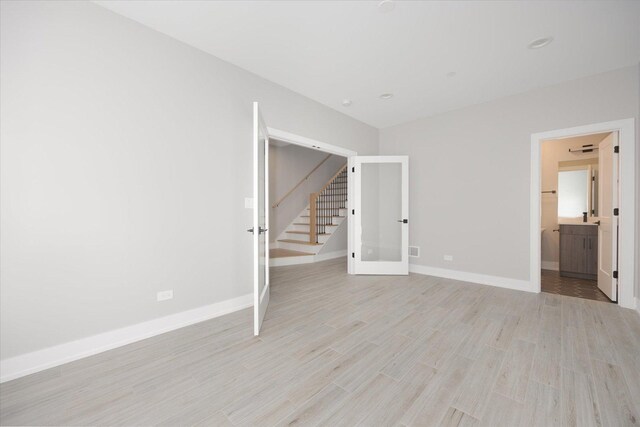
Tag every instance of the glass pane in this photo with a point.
(573, 193)
(261, 213)
(381, 195)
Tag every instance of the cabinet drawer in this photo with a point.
(582, 230)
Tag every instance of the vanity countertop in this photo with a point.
(577, 223)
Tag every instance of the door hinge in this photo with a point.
(615, 274)
(353, 254)
(616, 211)
(616, 149)
(353, 211)
(353, 169)
(593, 178)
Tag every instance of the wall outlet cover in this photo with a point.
(448, 257)
(248, 202)
(165, 295)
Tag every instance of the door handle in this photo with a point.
(260, 230)
(404, 221)
(597, 222)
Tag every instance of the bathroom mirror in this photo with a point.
(577, 188)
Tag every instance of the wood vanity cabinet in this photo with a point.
(579, 251)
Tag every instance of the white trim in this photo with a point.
(482, 279)
(627, 218)
(308, 259)
(550, 265)
(303, 141)
(330, 255)
(50, 357)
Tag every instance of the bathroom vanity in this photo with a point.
(579, 250)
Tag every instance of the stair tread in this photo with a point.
(307, 232)
(299, 242)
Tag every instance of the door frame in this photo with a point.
(626, 202)
(313, 144)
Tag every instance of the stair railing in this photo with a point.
(326, 203)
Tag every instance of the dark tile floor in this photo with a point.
(553, 283)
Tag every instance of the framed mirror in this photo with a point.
(577, 188)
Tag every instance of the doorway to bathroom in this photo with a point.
(584, 245)
(576, 177)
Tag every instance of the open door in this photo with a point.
(381, 215)
(608, 222)
(260, 220)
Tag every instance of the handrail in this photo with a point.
(276, 204)
(332, 178)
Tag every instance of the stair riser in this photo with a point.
(322, 238)
(336, 212)
(302, 248)
(328, 228)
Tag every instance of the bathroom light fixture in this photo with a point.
(538, 43)
(386, 96)
(346, 102)
(386, 6)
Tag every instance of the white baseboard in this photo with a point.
(483, 279)
(550, 265)
(330, 255)
(50, 357)
(297, 260)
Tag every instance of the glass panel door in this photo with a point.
(260, 220)
(381, 214)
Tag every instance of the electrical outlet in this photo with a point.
(165, 295)
(448, 257)
(248, 202)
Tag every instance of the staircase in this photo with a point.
(303, 240)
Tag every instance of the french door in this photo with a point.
(608, 223)
(381, 215)
(260, 220)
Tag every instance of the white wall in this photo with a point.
(126, 157)
(470, 169)
(287, 166)
(553, 152)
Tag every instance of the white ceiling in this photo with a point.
(331, 50)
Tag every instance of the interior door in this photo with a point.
(608, 228)
(381, 214)
(260, 220)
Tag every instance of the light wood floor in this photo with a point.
(374, 351)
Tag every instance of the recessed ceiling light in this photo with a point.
(386, 96)
(386, 6)
(451, 74)
(538, 43)
(346, 102)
